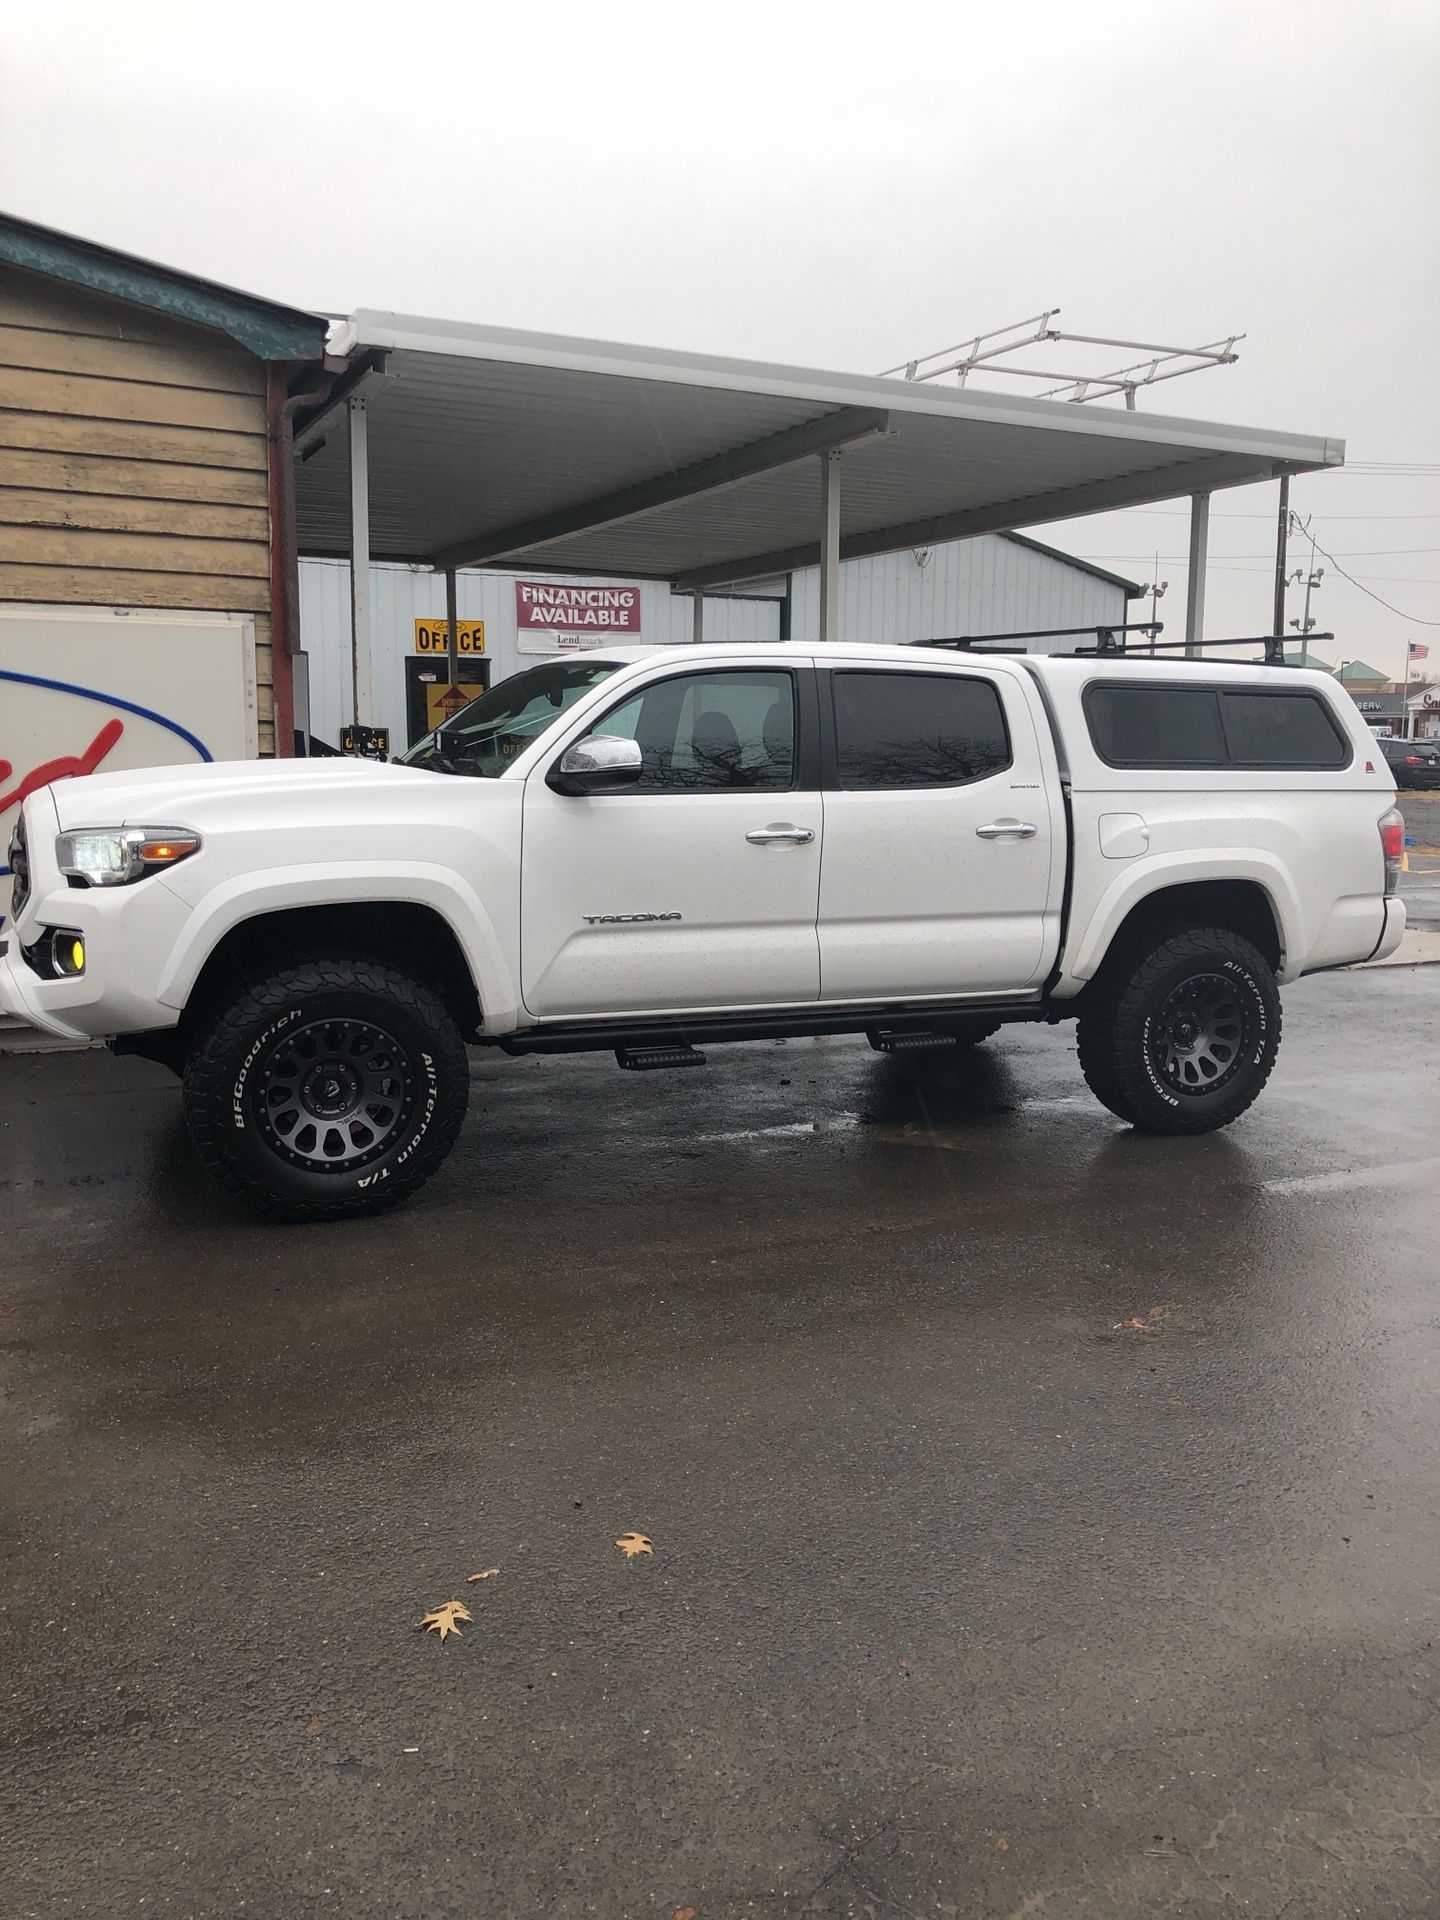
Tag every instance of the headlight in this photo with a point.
(115, 856)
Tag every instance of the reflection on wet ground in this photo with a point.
(946, 1553)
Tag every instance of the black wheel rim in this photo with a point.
(1197, 1040)
(332, 1095)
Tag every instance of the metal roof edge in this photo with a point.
(414, 333)
(1132, 588)
(266, 328)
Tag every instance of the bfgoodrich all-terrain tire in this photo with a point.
(334, 1087)
(1182, 1039)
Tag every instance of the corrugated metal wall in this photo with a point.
(401, 595)
(988, 585)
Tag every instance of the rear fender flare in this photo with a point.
(1089, 944)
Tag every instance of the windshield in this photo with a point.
(484, 737)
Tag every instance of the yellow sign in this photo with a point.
(443, 702)
(432, 636)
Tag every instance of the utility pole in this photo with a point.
(1312, 578)
(1282, 529)
(1155, 593)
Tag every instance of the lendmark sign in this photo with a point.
(578, 613)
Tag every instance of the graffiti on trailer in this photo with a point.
(68, 765)
(63, 767)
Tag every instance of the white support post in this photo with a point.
(452, 628)
(829, 544)
(1199, 553)
(697, 618)
(361, 661)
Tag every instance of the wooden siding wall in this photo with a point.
(132, 462)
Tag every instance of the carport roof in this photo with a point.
(494, 447)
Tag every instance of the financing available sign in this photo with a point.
(553, 616)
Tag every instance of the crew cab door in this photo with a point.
(698, 885)
(943, 863)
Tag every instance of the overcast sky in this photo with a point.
(843, 186)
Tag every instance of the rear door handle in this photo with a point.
(1008, 830)
(770, 836)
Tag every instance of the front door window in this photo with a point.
(719, 732)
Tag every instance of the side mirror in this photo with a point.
(602, 763)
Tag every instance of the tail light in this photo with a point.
(1392, 842)
(1413, 760)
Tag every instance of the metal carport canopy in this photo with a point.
(490, 447)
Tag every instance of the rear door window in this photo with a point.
(917, 729)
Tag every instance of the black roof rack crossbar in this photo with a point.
(1272, 643)
(1103, 633)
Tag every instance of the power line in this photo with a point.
(1351, 553)
(1184, 513)
(1414, 618)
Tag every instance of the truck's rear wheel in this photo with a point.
(333, 1088)
(1183, 1039)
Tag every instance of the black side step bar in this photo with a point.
(907, 1039)
(687, 1031)
(647, 1059)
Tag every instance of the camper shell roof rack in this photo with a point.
(1109, 643)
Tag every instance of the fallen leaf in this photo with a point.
(314, 1723)
(632, 1543)
(488, 1574)
(1002, 1844)
(683, 1913)
(446, 1619)
(1141, 1322)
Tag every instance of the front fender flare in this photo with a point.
(235, 901)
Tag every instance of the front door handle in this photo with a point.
(1008, 830)
(771, 836)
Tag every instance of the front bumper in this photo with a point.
(129, 934)
(20, 998)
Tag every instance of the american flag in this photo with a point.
(1417, 652)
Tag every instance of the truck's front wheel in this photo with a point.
(332, 1088)
(1183, 1038)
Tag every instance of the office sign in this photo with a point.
(433, 636)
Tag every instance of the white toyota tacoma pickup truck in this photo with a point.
(653, 850)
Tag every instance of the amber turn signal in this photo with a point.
(161, 852)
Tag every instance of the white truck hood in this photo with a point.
(168, 796)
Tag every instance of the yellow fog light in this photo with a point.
(68, 951)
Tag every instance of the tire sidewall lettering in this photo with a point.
(252, 1054)
(373, 1175)
(1254, 1059)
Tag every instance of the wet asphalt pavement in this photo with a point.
(1420, 885)
(963, 1600)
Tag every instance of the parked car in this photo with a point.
(652, 851)
(1414, 763)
